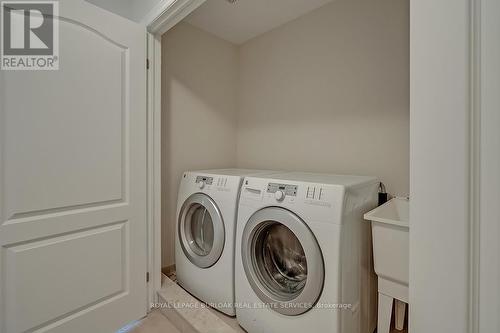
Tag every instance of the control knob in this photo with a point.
(279, 195)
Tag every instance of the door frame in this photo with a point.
(445, 164)
(168, 13)
(488, 275)
(162, 17)
(153, 64)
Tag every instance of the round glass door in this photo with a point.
(282, 261)
(201, 230)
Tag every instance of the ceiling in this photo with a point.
(245, 19)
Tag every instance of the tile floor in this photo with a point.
(155, 322)
(231, 321)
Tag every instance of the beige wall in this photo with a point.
(329, 92)
(199, 81)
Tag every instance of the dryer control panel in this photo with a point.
(206, 180)
(287, 189)
(214, 183)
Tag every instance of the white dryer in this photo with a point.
(303, 254)
(204, 242)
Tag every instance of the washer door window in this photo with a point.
(201, 230)
(282, 261)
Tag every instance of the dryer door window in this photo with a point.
(282, 261)
(201, 230)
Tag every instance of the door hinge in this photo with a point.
(147, 63)
(147, 276)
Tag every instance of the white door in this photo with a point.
(73, 181)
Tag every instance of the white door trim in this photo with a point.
(165, 15)
(486, 278)
(154, 165)
(484, 158)
(474, 163)
(168, 13)
(463, 235)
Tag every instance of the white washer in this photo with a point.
(302, 249)
(206, 225)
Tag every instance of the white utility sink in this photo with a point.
(390, 233)
(396, 211)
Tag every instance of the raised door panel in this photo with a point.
(66, 144)
(105, 262)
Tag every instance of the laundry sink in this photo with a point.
(390, 232)
(390, 236)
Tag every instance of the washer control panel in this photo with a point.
(286, 189)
